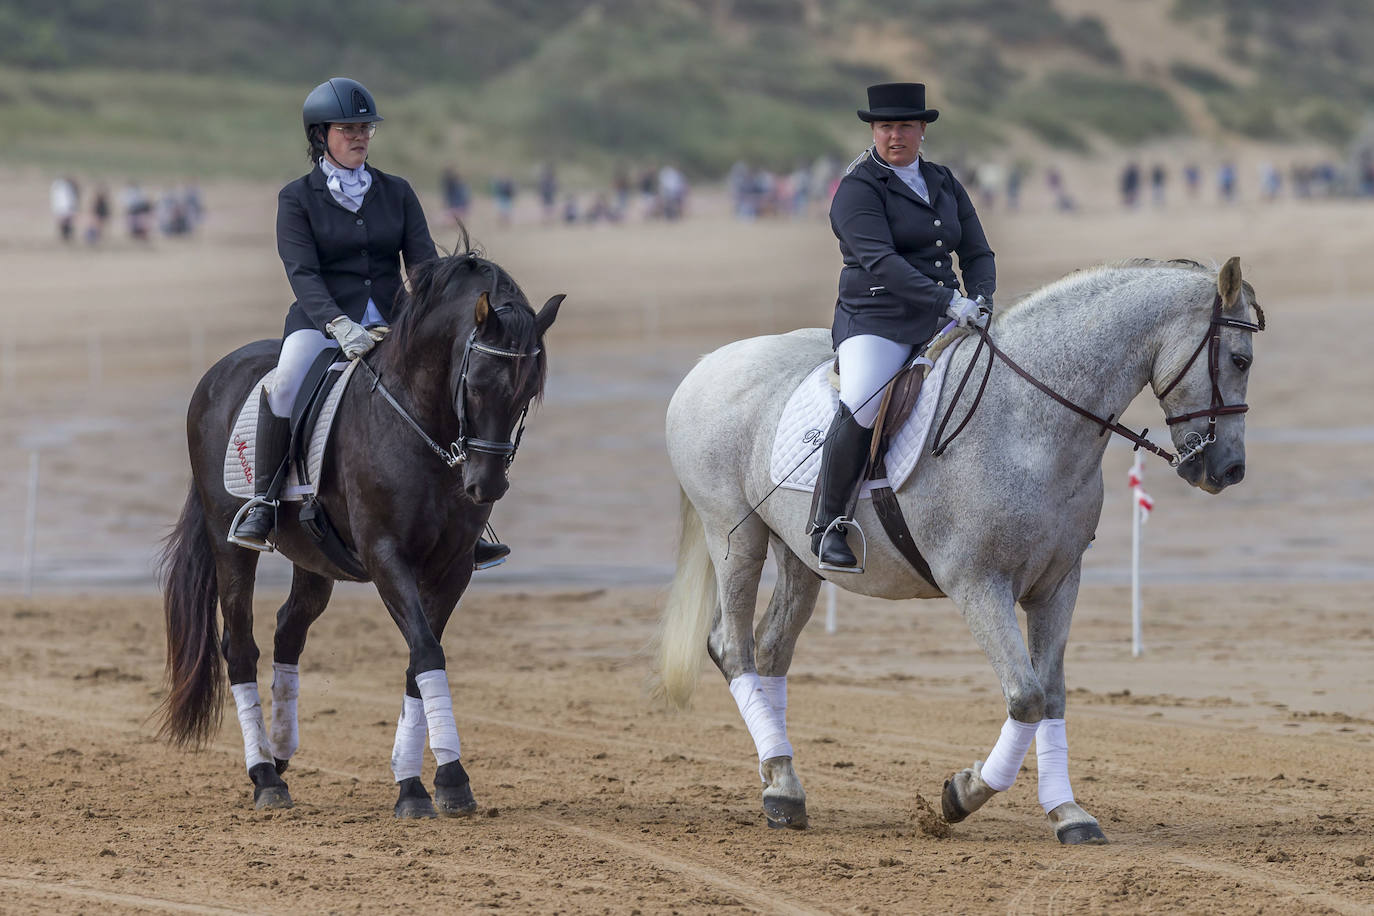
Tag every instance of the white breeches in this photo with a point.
(867, 363)
(298, 353)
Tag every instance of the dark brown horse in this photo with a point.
(464, 363)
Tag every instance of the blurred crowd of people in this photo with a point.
(176, 211)
(657, 193)
(1303, 180)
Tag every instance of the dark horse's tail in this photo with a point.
(195, 677)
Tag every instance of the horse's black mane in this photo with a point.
(438, 283)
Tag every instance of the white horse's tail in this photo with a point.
(687, 617)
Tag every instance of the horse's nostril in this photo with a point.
(1234, 474)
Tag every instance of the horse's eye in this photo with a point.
(1241, 362)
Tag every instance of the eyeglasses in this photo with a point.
(355, 131)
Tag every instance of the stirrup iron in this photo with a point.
(846, 521)
(267, 546)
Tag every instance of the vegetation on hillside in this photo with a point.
(209, 86)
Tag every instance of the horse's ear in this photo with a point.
(1228, 283)
(548, 313)
(483, 309)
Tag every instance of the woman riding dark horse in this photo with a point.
(465, 363)
(900, 220)
(341, 232)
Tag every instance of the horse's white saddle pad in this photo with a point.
(812, 406)
(242, 450)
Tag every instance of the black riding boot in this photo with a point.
(843, 459)
(488, 554)
(273, 437)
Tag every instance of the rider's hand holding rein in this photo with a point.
(967, 312)
(353, 338)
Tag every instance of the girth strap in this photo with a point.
(889, 513)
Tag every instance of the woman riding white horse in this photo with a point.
(900, 220)
(342, 230)
(1002, 516)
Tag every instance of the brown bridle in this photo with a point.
(1194, 442)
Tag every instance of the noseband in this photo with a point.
(1195, 442)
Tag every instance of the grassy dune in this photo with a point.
(133, 86)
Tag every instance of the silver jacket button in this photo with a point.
(937, 222)
(939, 264)
(939, 243)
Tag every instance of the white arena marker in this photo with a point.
(1141, 504)
(831, 616)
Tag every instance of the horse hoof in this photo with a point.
(268, 798)
(415, 809)
(452, 791)
(455, 801)
(269, 790)
(413, 801)
(786, 813)
(280, 764)
(950, 809)
(1081, 835)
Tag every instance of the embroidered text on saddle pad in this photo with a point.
(240, 455)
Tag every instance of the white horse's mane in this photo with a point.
(1091, 281)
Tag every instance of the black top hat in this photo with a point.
(898, 102)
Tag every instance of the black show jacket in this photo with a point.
(898, 274)
(336, 260)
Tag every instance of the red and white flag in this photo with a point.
(1135, 480)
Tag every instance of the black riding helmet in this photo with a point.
(339, 101)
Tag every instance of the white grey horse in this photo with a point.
(1003, 516)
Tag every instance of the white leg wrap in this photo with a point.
(255, 749)
(286, 687)
(409, 750)
(1002, 765)
(775, 688)
(1052, 759)
(766, 724)
(443, 731)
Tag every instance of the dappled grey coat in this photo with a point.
(898, 274)
(335, 259)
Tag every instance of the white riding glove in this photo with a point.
(966, 312)
(352, 337)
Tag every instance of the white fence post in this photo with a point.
(1137, 645)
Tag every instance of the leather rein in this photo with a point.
(1194, 442)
